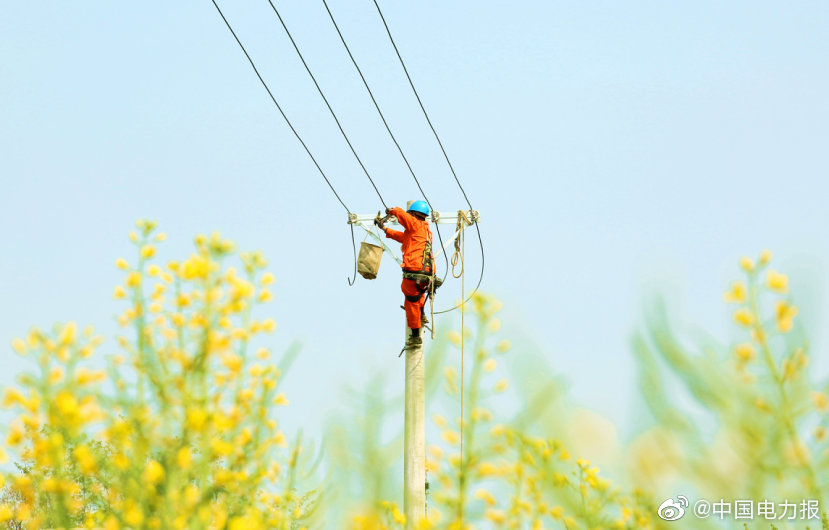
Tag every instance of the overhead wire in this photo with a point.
(293, 130)
(443, 150)
(385, 123)
(325, 99)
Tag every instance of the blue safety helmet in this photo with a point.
(420, 207)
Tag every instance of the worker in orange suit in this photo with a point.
(418, 263)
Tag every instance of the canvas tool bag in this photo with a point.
(368, 262)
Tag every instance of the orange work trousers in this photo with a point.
(415, 294)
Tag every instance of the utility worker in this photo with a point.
(418, 263)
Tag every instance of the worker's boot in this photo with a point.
(413, 342)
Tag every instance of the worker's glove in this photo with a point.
(388, 211)
(379, 223)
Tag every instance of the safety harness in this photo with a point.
(426, 278)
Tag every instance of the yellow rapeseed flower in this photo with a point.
(6, 513)
(496, 516)
(147, 251)
(19, 346)
(747, 264)
(119, 293)
(777, 282)
(784, 315)
(232, 362)
(485, 496)
(501, 385)
(133, 279)
(280, 400)
(86, 460)
(134, 516)
(487, 469)
(153, 472)
(68, 334)
(745, 351)
(821, 401)
(744, 317)
(490, 365)
(122, 264)
(184, 458)
(736, 294)
(451, 437)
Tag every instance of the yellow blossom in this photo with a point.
(490, 365)
(496, 516)
(485, 496)
(747, 264)
(184, 458)
(501, 385)
(153, 472)
(745, 351)
(451, 437)
(744, 317)
(267, 279)
(147, 251)
(487, 469)
(784, 315)
(737, 293)
(19, 346)
(133, 279)
(777, 282)
(232, 362)
(503, 346)
(86, 460)
(280, 400)
(820, 401)
(55, 375)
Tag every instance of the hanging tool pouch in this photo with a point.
(368, 262)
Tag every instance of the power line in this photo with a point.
(385, 123)
(298, 137)
(264, 84)
(442, 149)
(331, 110)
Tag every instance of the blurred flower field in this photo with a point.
(179, 428)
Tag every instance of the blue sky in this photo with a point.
(614, 150)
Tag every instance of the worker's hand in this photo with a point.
(379, 223)
(388, 211)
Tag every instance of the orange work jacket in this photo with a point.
(416, 240)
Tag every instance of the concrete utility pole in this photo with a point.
(414, 460)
